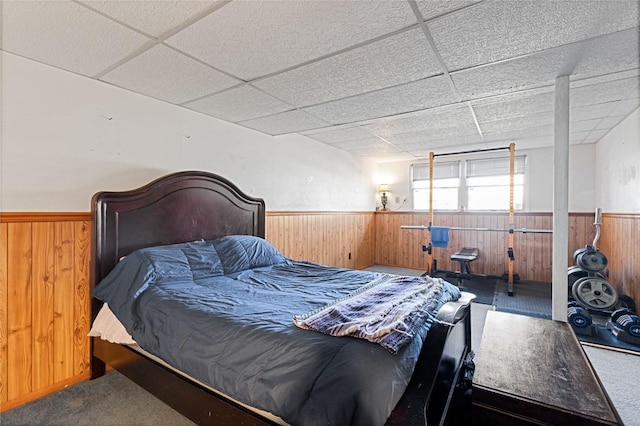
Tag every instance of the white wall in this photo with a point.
(617, 167)
(539, 189)
(65, 137)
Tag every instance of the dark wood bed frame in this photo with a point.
(187, 206)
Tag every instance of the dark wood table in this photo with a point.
(532, 371)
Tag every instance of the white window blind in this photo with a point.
(494, 166)
(446, 183)
(488, 183)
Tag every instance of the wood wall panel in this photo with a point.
(82, 299)
(335, 239)
(4, 330)
(19, 297)
(620, 242)
(532, 251)
(44, 305)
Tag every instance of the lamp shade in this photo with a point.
(383, 187)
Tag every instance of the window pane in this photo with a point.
(494, 197)
(443, 199)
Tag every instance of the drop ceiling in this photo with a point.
(388, 80)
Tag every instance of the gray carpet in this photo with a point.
(111, 400)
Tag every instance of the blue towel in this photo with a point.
(440, 236)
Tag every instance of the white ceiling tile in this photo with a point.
(67, 35)
(608, 123)
(285, 122)
(534, 142)
(591, 111)
(427, 93)
(596, 134)
(518, 123)
(527, 72)
(514, 105)
(497, 30)
(151, 17)
(617, 90)
(511, 134)
(433, 118)
(412, 141)
(581, 126)
(391, 61)
(625, 107)
(615, 52)
(449, 133)
(251, 39)
(605, 78)
(578, 136)
(332, 136)
(239, 104)
(165, 74)
(430, 9)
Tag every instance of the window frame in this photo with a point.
(463, 187)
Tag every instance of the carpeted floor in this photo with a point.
(110, 400)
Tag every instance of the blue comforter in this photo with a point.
(222, 312)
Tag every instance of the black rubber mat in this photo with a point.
(529, 298)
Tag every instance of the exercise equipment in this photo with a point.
(595, 293)
(575, 272)
(580, 319)
(625, 325)
(590, 259)
(465, 257)
(511, 229)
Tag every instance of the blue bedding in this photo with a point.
(222, 312)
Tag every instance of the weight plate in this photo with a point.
(595, 293)
(592, 261)
(575, 272)
(625, 301)
(579, 252)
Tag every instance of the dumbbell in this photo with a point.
(578, 316)
(627, 321)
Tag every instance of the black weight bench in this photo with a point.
(465, 257)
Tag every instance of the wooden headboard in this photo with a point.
(176, 208)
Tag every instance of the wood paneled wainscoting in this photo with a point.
(44, 303)
(620, 242)
(44, 287)
(345, 239)
(532, 251)
(44, 272)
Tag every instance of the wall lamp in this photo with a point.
(384, 188)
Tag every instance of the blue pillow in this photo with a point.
(194, 259)
(241, 252)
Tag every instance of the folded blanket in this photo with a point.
(389, 310)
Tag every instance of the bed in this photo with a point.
(208, 212)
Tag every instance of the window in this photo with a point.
(446, 184)
(487, 183)
(484, 184)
